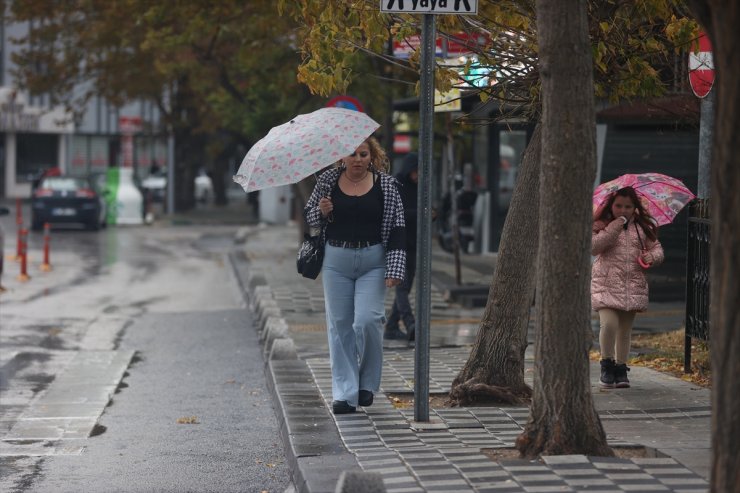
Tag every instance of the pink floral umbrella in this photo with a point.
(662, 195)
(306, 144)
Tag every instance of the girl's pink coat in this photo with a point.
(617, 280)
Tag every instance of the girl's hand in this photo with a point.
(325, 206)
(390, 282)
(621, 220)
(647, 257)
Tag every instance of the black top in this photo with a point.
(357, 218)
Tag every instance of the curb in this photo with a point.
(313, 447)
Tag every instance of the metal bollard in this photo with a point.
(148, 207)
(19, 227)
(2, 288)
(46, 266)
(23, 276)
(18, 212)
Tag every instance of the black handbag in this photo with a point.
(311, 256)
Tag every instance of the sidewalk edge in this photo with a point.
(310, 472)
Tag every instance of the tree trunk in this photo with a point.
(720, 19)
(189, 154)
(563, 419)
(221, 173)
(494, 371)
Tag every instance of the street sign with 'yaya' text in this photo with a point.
(430, 6)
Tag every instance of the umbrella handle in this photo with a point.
(642, 263)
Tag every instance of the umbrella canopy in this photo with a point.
(661, 195)
(306, 144)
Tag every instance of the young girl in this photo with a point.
(625, 242)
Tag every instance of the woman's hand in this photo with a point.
(391, 283)
(325, 206)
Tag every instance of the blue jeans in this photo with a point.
(354, 294)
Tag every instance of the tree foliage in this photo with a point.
(228, 66)
(634, 45)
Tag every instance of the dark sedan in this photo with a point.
(67, 199)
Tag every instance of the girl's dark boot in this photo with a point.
(620, 376)
(607, 379)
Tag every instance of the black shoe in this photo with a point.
(607, 373)
(411, 330)
(342, 407)
(366, 398)
(620, 376)
(394, 333)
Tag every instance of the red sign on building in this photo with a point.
(465, 43)
(404, 48)
(454, 45)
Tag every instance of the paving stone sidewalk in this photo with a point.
(668, 416)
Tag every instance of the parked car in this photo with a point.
(154, 187)
(67, 199)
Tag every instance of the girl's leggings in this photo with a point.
(615, 329)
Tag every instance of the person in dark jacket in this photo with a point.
(408, 177)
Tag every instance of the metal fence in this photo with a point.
(697, 276)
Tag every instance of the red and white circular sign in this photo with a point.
(701, 67)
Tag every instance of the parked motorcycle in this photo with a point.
(466, 233)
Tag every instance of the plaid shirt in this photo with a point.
(392, 229)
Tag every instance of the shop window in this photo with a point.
(34, 154)
(511, 148)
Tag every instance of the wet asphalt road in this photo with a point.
(164, 300)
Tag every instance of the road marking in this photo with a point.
(55, 422)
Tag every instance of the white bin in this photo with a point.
(275, 204)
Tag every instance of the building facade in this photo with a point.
(35, 136)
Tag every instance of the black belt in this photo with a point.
(351, 244)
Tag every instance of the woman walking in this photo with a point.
(625, 242)
(361, 209)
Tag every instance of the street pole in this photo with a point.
(455, 225)
(171, 172)
(424, 224)
(706, 125)
(170, 153)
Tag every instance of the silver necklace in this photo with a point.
(356, 182)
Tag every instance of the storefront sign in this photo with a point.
(14, 118)
(448, 101)
(18, 117)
